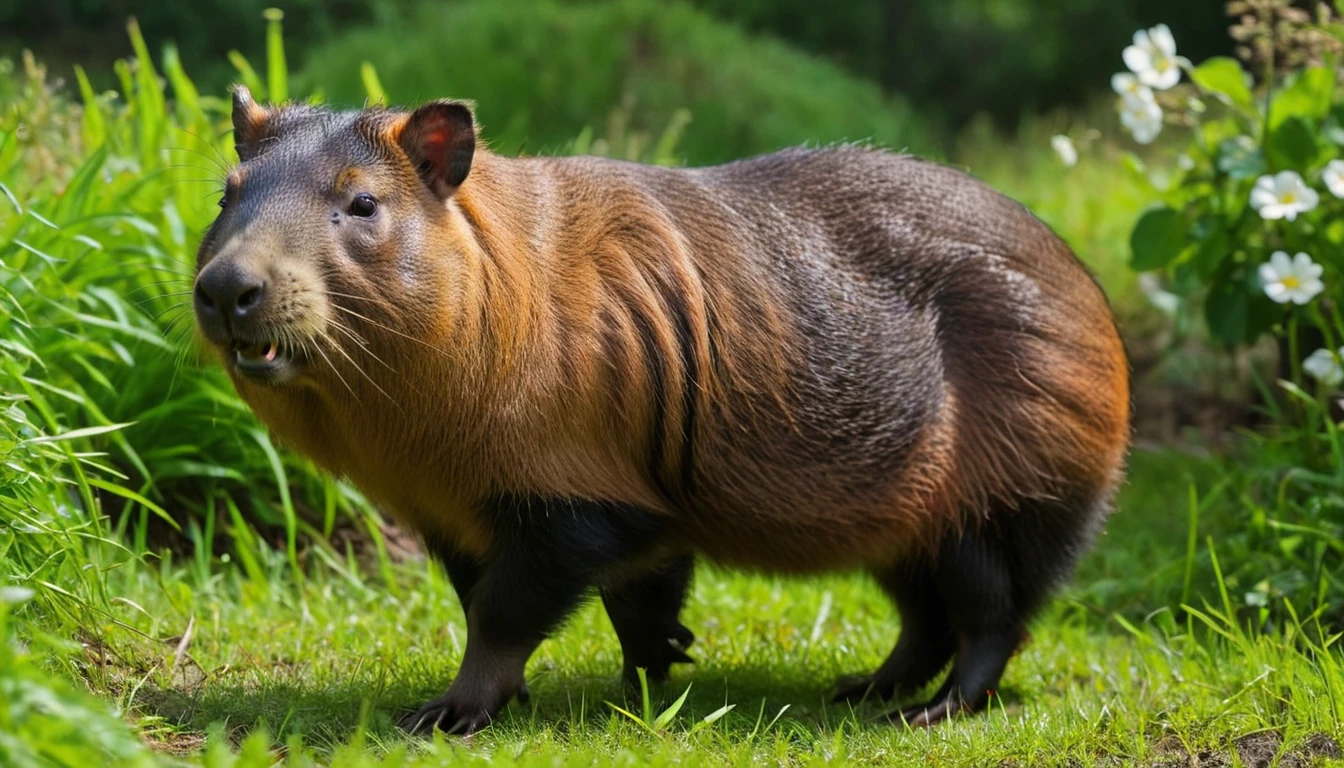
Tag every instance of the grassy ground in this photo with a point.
(326, 664)
(303, 652)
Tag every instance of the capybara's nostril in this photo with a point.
(229, 290)
(249, 298)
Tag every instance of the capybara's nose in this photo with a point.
(226, 293)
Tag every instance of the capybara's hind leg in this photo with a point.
(926, 642)
(975, 579)
(645, 612)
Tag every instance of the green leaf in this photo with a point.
(281, 485)
(1308, 95)
(1211, 252)
(666, 716)
(184, 90)
(1236, 308)
(277, 72)
(1224, 76)
(132, 496)
(1240, 158)
(95, 129)
(1157, 239)
(1293, 145)
(713, 717)
(148, 100)
(77, 434)
(1225, 311)
(248, 75)
(372, 85)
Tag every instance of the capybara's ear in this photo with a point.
(440, 140)
(249, 123)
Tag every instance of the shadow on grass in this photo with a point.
(559, 703)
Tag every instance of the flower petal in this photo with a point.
(1160, 37)
(1324, 366)
(1137, 60)
(1162, 79)
(1308, 198)
(1309, 290)
(1273, 211)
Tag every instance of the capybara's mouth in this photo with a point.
(268, 361)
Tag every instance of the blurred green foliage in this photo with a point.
(960, 58)
(541, 77)
(90, 32)
(953, 58)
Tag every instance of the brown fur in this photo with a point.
(522, 362)
(574, 372)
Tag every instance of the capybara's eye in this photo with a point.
(363, 206)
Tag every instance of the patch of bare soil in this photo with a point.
(1264, 749)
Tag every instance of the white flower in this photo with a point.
(1325, 366)
(1129, 87)
(1283, 196)
(1333, 176)
(1153, 58)
(1143, 118)
(1297, 279)
(14, 595)
(1063, 146)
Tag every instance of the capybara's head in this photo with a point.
(335, 238)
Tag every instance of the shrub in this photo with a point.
(1245, 227)
(544, 76)
(961, 58)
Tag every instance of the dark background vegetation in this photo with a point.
(952, 59)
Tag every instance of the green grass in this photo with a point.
(202, 654)
(242, 632)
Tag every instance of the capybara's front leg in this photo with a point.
(545, 555)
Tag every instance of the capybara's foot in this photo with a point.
(462, 711)
(656, 651)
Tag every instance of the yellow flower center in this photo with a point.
(1290, 281)
(1288, 198)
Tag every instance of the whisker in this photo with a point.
(363, 345)
(179, 305)
(209, 144)
(382, 302)
(360, 370)
(221, 166)
(318, 348)
(376, 324)
(146, 287)
(174, 322)
(157, 297)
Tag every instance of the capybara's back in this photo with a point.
(569, 373)
(883, 352)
